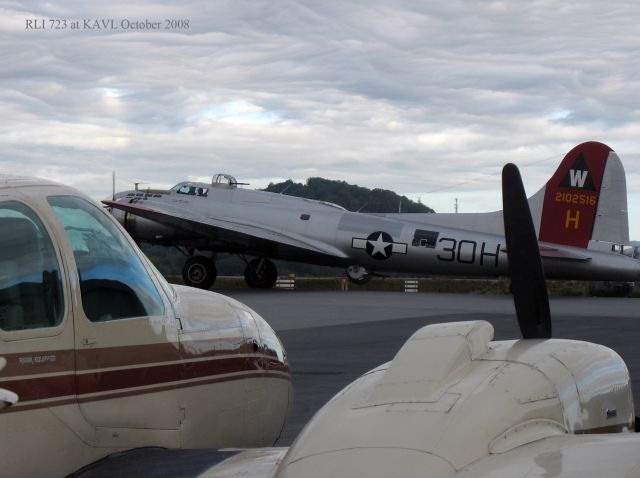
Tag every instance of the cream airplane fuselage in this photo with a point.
(198, 370)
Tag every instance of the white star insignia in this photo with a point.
(379, 246)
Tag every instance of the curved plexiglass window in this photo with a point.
(113, 282)
(30, 284)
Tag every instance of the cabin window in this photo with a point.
(192, 190)
(30, 279)
(113, 281)
(305, 217)
(186, 189)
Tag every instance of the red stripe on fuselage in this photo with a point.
(41, 388)
(143, 376)
(133, 372)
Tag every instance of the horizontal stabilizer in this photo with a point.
(547, 252)
(552, 253)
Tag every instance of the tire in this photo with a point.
(199, 272)
(358, 275)
(265, 279)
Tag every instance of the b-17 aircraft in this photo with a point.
(580, 218)
(453, 403)
(98, 353)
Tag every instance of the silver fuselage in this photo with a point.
(380, 243)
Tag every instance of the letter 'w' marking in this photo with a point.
(578, 178)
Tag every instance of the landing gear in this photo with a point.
(358, 275)
(260, 274)
(199, 271)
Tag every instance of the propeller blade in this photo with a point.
(525, 265)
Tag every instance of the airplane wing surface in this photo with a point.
(569, 456)
(226, 229)
(563, 456)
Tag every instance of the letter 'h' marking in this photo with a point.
(572, 219)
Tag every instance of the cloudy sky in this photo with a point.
(429, 98)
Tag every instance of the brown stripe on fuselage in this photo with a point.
(129, 393)
(106, 357)
(55, 361)
(175, 386)
(41, 388)
(141, 376)
(226, 356)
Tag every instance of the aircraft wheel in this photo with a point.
(358, 275)
(199, 272)
(264, 278)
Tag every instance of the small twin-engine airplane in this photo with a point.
(100, 354)
(455, 404)
(580, 218)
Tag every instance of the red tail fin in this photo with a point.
(572, 194)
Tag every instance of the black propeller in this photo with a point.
(525, 265)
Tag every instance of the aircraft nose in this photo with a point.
(271, 347)
(272, 391)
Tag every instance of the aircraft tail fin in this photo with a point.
(585, 199)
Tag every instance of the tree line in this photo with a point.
(349, 196)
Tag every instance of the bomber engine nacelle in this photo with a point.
(145, 230)
(451, 396)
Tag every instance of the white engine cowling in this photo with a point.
(451, 396)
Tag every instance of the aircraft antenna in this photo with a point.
(400, 206)
(286, 187)
(363, 206)
(455, 206)
(525, 265)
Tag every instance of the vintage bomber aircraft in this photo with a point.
(580, 217)
(455, 404)
(101, 354)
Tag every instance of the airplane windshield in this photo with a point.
(190, 189)
(113, 281)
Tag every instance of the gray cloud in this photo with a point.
(405, 95)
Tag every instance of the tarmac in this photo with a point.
(331, 338)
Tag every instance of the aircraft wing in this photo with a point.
(569, 456)
(252, 237)
(613, 455)
(250, 463)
